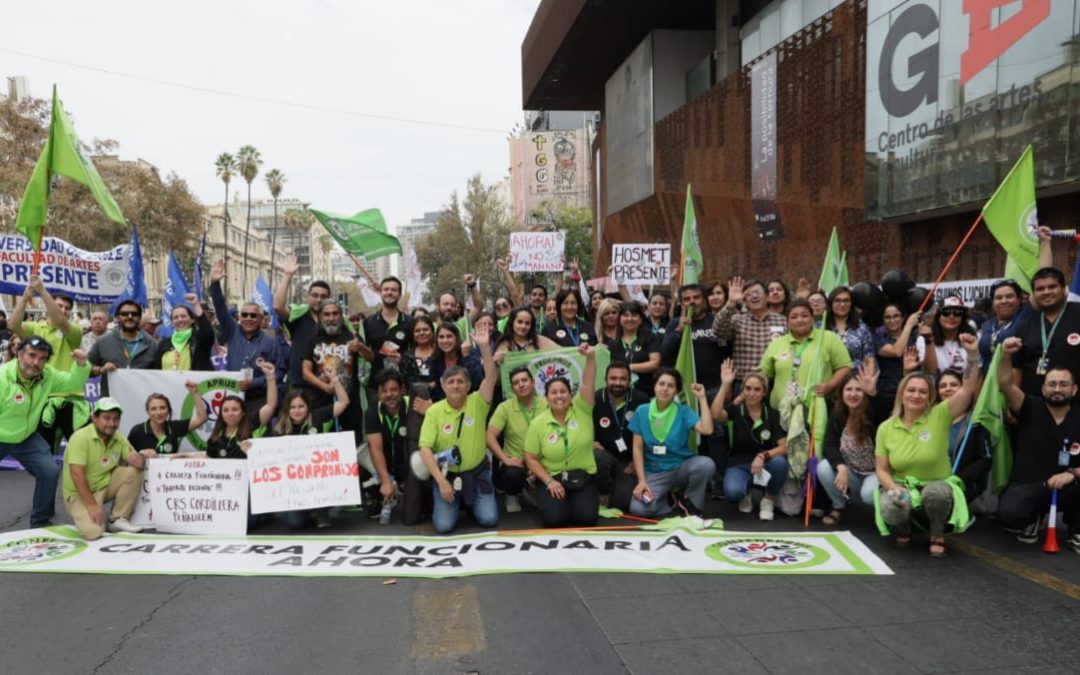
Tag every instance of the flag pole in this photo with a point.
(937, 282)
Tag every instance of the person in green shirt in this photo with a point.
(912, 456)
(67, 409)
(454, 429)
(511, 420)
(559, 450)
(100, 466)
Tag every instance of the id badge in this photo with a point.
(457, 484)
(564, 476)
(1063, 458)
(1042, 366)
(659, 449)
(620, 445)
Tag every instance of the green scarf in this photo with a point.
(960, 518)
(661, 422)
(180, 339)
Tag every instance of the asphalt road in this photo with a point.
(993, 605)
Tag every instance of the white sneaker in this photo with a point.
(513, 505)
(746, 504)
(766, 510)
(322, 519)
(122, 525)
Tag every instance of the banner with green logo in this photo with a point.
(548, 364)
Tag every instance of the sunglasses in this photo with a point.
(36, 342)
(953, 312)
(125, 315)
(248, 315)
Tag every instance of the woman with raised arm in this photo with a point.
(191, 345)
(848, 471)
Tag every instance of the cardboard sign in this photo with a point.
(641, 264)
(291, 473)
(197, 495)
(537, 251)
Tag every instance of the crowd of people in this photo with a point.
(874, 402)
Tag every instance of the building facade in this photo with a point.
(550, 165)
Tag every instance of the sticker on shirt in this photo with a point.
(783, 356)
(924, 436)
(766, 434)
(1073, 339)
(629, 415)
(19, 398)
(637, 348)
(1074, 449)
(560, 333)
(403, 431)
(552, 438)
(104, 460)
(467, 421)
(605, 422)
(448, 428)
(572, 425)
(400, 335)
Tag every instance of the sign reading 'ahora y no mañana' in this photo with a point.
(58, 549)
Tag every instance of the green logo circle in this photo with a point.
(765, 553)
(211, 393)
(38, 549)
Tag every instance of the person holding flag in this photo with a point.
(1048, 451)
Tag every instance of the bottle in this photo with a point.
(387, 510)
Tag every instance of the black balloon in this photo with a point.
(867, 297)
(896, 284)
(914, 298)
(874, 317)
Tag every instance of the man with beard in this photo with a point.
(25, 385)
(333, 348)
(302, 320)
(538, 294)
(93, 474)
(1050, 336)
(511, 420)
(388, 442)
(388, 331)
(615, 405)
(451, 311)
(99, 325)
(1047, 455)
(67, 409)
(127, 346)
(748, 332)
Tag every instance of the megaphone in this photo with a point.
(451, 455)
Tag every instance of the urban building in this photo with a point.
(550, 165)
(289, 234)
(239, 283)
(892, 120)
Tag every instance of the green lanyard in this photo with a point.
(628, 347)
(799, 349)
(566, 447)
(1042, 327)
(530, 414)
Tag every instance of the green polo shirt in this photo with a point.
(440, 430)
(564, 447)
(62, 345)
(512, 420)
(921, 452)
(85, 447)
(778, 361)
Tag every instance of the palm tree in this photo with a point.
(248, 161)
(275, 180)
(301, 221)
(224, 168)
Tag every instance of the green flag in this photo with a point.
(549, 363)
(692, 262)
(834, 269)
(1011, 216)
(989, 413)
(684, 363)
(362, 235)
(61, 155)
(1013, 271)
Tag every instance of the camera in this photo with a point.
(451, 455)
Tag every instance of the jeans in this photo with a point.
(860, 487)
(737, 479)
(937, 505)
(35, 456)
(693, 474)
(444, 519)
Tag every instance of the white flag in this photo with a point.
(371, 297)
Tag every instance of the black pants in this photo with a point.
(613, 480)
(418, 499)
(509, 479)
(63, 424)
(576, 508)
(1022, 504)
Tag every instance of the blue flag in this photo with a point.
(173, 296)
(135, 288)
(200, 261)
(265, 299)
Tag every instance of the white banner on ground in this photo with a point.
(537, 251)
(290, 473)
(197, 495)
(641, 264)
(86, 276)
(132, 387)
(683, 551)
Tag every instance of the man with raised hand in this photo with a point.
(748, 332)
(302, 320)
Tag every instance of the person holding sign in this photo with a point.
(511, 420)
(559, 450)
(454, 429)
(93, 474)
(635, 346)
(568, 330)
(663, 458)
(160, 432)
(192, 342)
(234, 426)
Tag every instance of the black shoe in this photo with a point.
(1073, 542)
(686, 507)
(1030, 535)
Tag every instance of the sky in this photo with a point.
(138, 71)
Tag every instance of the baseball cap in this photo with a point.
(107, 404)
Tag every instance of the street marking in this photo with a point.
(1044, 579)
(447, 623)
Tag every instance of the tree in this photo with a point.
(300, 220)
(248, 161)
(275, 180)
(223, 166)
(469, 236)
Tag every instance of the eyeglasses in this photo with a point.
(249, 315)
(126, 315)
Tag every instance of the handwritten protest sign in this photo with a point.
(290, 473)
(537, 251)
(641, 264)
(197, 495)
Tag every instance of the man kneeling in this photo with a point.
(94, 475)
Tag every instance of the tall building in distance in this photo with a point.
(291, 236)
(410, 235)
(550, 164)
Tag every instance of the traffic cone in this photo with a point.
(1051, 544)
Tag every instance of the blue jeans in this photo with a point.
(33, 453)
(737, 479)
(485, 510)
(860, 487)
